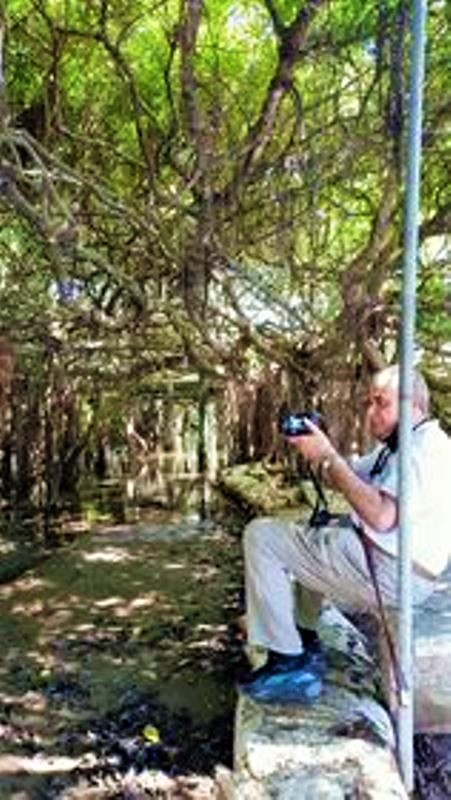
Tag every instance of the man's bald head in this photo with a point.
(389, 377)
(383, 402)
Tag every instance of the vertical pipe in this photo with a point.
(412, 209)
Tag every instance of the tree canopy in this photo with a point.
(215, 185)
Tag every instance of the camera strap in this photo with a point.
(320, 515)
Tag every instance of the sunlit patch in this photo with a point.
(39, 764)
(145, 601)
(214, 643)
(44, 660)
(27, 584)
(108, 602)
(30, 701)
(205, 572)
(85, 627)
(72, 599)
(7, 547)
(61, 615)
(29, 609)
(75, 526)
(174, 565)
(34, 701)
(215, 628)
(124, 608)
(109, 555)
(115, 533)
(81, 637)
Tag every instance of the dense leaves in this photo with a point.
(217, 185)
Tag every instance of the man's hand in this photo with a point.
(374, 507)
(314, 446)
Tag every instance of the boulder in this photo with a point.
(432, 659)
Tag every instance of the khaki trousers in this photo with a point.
(327, 562)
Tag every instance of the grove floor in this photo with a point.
(118, 663)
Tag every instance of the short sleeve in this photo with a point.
(363, 465)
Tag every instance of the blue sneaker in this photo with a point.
(287, 679)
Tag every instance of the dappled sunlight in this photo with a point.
(123, 608)
(214, 641)
(112, 555)
(197, 573)
(88, 628)
(204, 572)
(7, 547)
(41, 764)
(142, 603)
(145, 601)
(59, 616)
(34, 607)
(108, 602)
(93, 628)
(30, 583)
(74, 601)
(27, 584)
(30, 701)
(41, 661)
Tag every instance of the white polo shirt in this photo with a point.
(431, 496)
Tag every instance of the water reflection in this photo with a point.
(133, 499)
(150, 496)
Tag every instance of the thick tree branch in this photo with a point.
(291, 40)
(3, 103)
(188, 38)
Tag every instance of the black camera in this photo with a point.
(293, 423)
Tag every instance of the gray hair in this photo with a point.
(390, 376)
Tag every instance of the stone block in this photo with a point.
(295, 752)
(432, 659)
(341, 747)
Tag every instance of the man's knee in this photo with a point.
(257, 532)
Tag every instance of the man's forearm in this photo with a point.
(374, 507)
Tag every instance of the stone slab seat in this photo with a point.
(291, 753)
(340, 747)
(432, 661)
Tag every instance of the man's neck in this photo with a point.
(391, 441)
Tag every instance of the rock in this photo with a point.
(321, 788)
(432, 675)
(224, 783)
(262, 490)
(292, 752)
(341, 747)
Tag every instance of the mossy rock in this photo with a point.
(261, 489)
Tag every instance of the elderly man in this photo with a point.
(333, 561)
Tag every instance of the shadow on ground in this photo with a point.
(118, 663)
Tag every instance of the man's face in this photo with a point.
(382, 410)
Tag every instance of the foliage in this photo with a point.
(216, 185)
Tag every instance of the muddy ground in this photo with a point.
(119, 654)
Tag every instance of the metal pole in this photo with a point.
(412, 209)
